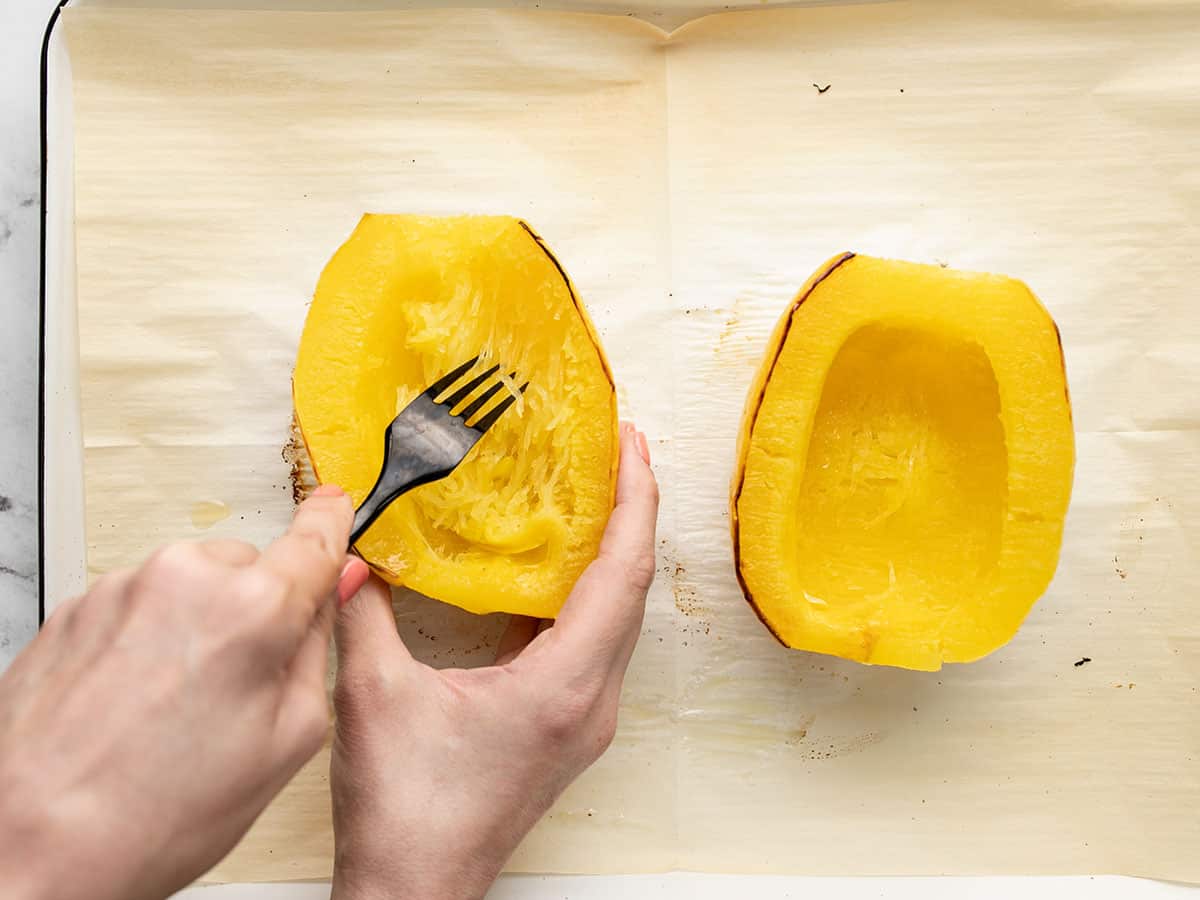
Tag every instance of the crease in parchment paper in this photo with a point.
(689, 184)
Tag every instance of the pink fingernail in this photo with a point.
(643, 448)
(350, 581)
(343, 586)
(328, 490)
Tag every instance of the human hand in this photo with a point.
(154, 718)
(438, 775)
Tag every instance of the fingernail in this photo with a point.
(643, 448)
(350, 581)
(626, 429)
(328, 490)
(343, 587)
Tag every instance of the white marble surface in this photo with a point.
(22, 23)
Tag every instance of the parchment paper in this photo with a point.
(690, 183)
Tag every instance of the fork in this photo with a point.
(428, 439)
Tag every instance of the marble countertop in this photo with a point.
(22, 23)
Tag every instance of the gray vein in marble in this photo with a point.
(24, 576)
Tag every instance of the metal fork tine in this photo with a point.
(478, 403)
(426, 441)
(465, 391)
(443, 384)
(490, 419)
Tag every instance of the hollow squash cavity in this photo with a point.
(906, 470)
(402, 302)
(904, 465)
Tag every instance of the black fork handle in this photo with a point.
(417, 449)
(396, 478)
(372, 508)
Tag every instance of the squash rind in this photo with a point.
(754, 401)
(951, 301)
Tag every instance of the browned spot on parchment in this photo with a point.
(737, 346)
(302, 478)
(683, 591)
(843, 746)
(1117, 567)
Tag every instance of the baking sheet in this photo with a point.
(689, 183)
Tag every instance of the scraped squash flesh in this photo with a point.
(904, 464)
(407, 299)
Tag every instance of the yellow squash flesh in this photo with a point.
(904, 464)
(405, 300)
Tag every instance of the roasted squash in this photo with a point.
(405, 300)
(904, 464)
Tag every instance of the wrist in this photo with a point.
(25, 853)
(392, 880)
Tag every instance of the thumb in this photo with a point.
(600, 622)
(365, 632)
(303, 717)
